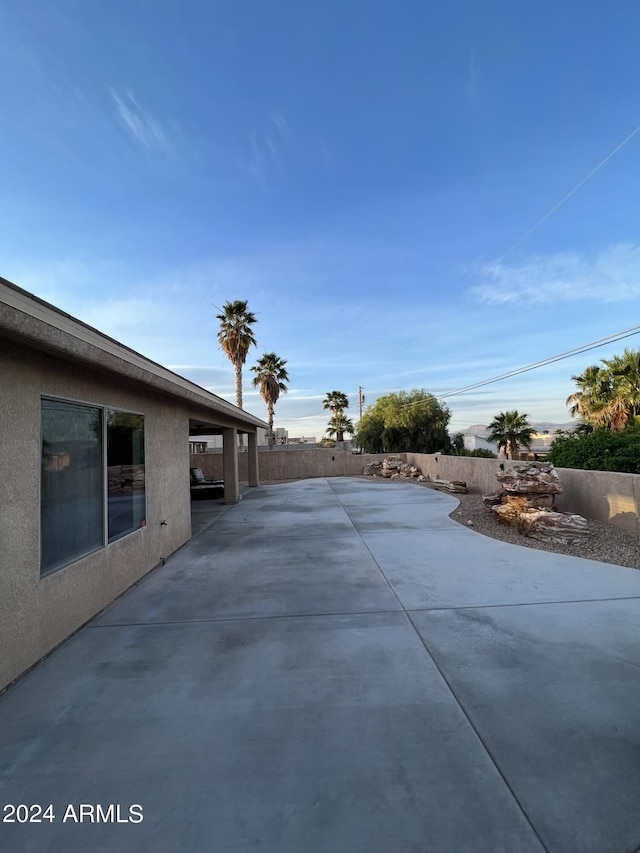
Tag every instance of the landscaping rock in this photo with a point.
(562, 528)
(393, 467)
(454, 486)
(529, 478)
(527, 502)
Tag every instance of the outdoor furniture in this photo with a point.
(202, 487)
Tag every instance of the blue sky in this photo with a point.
(367, 175)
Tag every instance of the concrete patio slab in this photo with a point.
(460, 568)
(554, 692)
(346, 675)
(223, 577)
(330, 733)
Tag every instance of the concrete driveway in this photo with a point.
(334, 666)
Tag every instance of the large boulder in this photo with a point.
(563, 528)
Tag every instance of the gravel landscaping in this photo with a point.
(606, 543)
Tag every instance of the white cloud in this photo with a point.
(611, 276)
(139, 123)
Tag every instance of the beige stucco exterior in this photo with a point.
(43, 352)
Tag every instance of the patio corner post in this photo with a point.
(230, 465)
(254, 474)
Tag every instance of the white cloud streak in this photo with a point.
(612, 276)
(141, 126)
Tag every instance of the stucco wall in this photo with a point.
(36, 613)
(280, 464)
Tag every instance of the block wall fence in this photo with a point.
(598, 495)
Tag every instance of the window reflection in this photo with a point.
(71, 494)
(125, 473)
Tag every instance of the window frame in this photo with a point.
(104, 408)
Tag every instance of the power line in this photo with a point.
(543, 363)
(568, 195)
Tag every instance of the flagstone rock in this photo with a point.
(529, 478)
(454, 486)
(562, 528)
(392, 467)
(527, 502)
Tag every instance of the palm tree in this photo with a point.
(236, 337)
(270, 378)
(338, 425)
(510, 430)
(624, 405)
(336, 401)
(593, 387)
(609, 396)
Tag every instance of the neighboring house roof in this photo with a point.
(27, 319)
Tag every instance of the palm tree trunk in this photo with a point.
(270, 423)
(238, 369)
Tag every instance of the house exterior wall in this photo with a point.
(37, 613)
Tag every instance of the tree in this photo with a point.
(456, 445)
(609, 396)
(336, 401)
(270, 378)
(510, 430)
(593, 386)
(236, 337)
(338, 425)
(404, 421)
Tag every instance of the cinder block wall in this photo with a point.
(599, 495)
(291, 464)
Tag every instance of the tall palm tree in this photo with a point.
(510, 430)
(338, 425)
(270, 378)
(236, 337)
(336, 401)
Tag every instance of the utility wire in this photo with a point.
(567, 196)
(545, 361)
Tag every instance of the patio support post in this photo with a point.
(252, 459)
(230, 465)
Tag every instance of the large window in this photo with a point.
(93, 479)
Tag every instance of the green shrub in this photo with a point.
(600, 450)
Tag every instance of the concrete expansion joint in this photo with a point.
(505, 605)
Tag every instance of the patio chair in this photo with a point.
(198, 478)
(205, 487)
